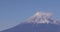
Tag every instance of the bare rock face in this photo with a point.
(39, 22)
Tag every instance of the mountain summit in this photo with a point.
(39, 22)
(41, 17)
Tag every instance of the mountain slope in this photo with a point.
(30, 27)
(40, 22)
(41, 17)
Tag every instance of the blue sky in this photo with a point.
(13, 12)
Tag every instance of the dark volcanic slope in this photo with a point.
(30, 27)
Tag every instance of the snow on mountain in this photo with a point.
(41, 17)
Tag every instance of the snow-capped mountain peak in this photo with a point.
(41, 17)
(40, 14)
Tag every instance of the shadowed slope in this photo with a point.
(30, 27)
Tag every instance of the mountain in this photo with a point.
(39, 22)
